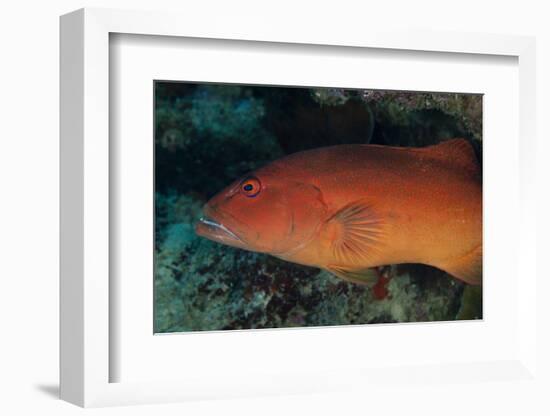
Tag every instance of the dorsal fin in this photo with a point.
(458, 153)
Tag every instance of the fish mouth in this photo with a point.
(209, 228)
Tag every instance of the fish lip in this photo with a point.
(207, 223)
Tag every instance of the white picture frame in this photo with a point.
(86, 356)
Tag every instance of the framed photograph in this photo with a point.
(278, 213)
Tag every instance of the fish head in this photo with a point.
(266, 213)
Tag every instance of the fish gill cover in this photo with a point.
(208, 135)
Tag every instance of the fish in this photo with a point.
(349, 209)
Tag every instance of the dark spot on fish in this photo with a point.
(395, 215)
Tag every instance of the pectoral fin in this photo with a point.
(355, 232)
(367, 277)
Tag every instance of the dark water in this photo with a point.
(206, 136)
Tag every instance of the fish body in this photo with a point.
(349, 208)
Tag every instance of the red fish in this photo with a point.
(350, 208)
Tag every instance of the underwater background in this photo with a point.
(208, 135)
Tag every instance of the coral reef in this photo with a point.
(207, 136)
(208, 129)
(403, 108)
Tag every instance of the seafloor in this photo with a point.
(208, 135)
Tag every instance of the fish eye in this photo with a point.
(251, 187)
